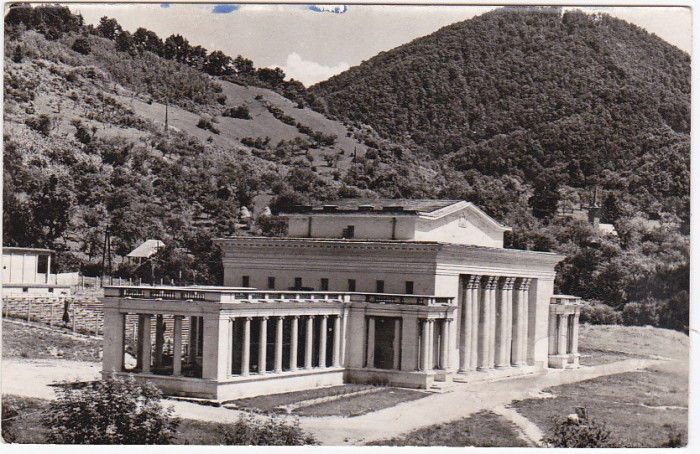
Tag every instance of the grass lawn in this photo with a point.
(481, 429)
(362, 404)
(634, 341)
(21, 340)
(270, 403)
(641, 409)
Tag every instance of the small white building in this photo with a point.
(145, 251)
(27, 271)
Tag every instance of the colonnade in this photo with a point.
(285, 359)
(428, 345)
(564, 315)
(493, 323)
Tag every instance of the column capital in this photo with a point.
(325, 316)
(310, 317)
(506, 283)
(247, 319)
(523, 283)
(295, 317)
(280, 317)
(265, 317)
(489, 282)
(473, 282)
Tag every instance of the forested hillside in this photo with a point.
(525, 113)
(579, 99)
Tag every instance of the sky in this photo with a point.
(314, 42)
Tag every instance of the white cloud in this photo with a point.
(309, 72)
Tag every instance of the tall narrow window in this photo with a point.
(380, 286)
(271, 283)
(409, 287)
(245, 282)
(297, 283)
(324, 284)
(351, 285)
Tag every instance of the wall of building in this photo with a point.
(463, 227)
(367, 226)
(20, 268)
(364, 264)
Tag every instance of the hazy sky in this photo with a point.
(312, 43)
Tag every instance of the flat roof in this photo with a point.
(391, 206)
(26, 249)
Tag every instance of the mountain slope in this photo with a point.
(586, 100)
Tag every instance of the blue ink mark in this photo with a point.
(225, 8)
(165, 5)
(336, 9)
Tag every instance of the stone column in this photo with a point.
(308, 358)
(245, 354)
(508, 293)
(553, 335)
(262, 346)
(505, 322)
(229, 350)
(574, 339)
(279, 340)
(483, 326)
(445, 353)
(48, 267)
(475, 330)
(491, 291)
(191, 339)
(562, 331)
(177, 345)
(426, 347)
(396, 364)
(294, 344)
(343, 338)
(146, 342)
(465, 327)
(336, 341)
(324, 341)
(370, 342)
(524, 295)
(160, 340)
(518, 325)
(113, 347)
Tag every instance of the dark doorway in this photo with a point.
(384, 340)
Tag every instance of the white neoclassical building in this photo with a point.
(416, 293)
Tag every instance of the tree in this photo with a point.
(249, 431)
(110, 411)
(218, 64)
(270, 76)
(108, 28)
(568, 433)
(243, 67)
(545, 198)
(176, 48)
(125, 43)
(146, 40)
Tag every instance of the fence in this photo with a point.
(83, 315)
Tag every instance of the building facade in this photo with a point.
(27, 271)
(408, 293)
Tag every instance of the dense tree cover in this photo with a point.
(592, 99)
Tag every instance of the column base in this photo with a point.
(501, 367)
(574, 359)
(558, 361)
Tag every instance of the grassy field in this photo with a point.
(483, 429)
(22, 340)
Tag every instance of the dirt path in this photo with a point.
(32, 377)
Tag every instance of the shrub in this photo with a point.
(240, 112)
(567, 433)
(641, 314)
(81, 46)
(600, 314)
(203, 123)
(18, 55)
(109, 411)
(41, 124)
(273, 431)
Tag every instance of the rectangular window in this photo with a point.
(324, 284)
(409, 287)
(349, 232)
(380, 286)
(25, 289)
(351, 285)
(271, 283)
(245, 282)
(297, 283)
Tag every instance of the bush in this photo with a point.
(81, 46)
(41, 124)
(109, 411)
(566, 433)
(641, 314)
(600, 314)
(274, 431)
(240, 112)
